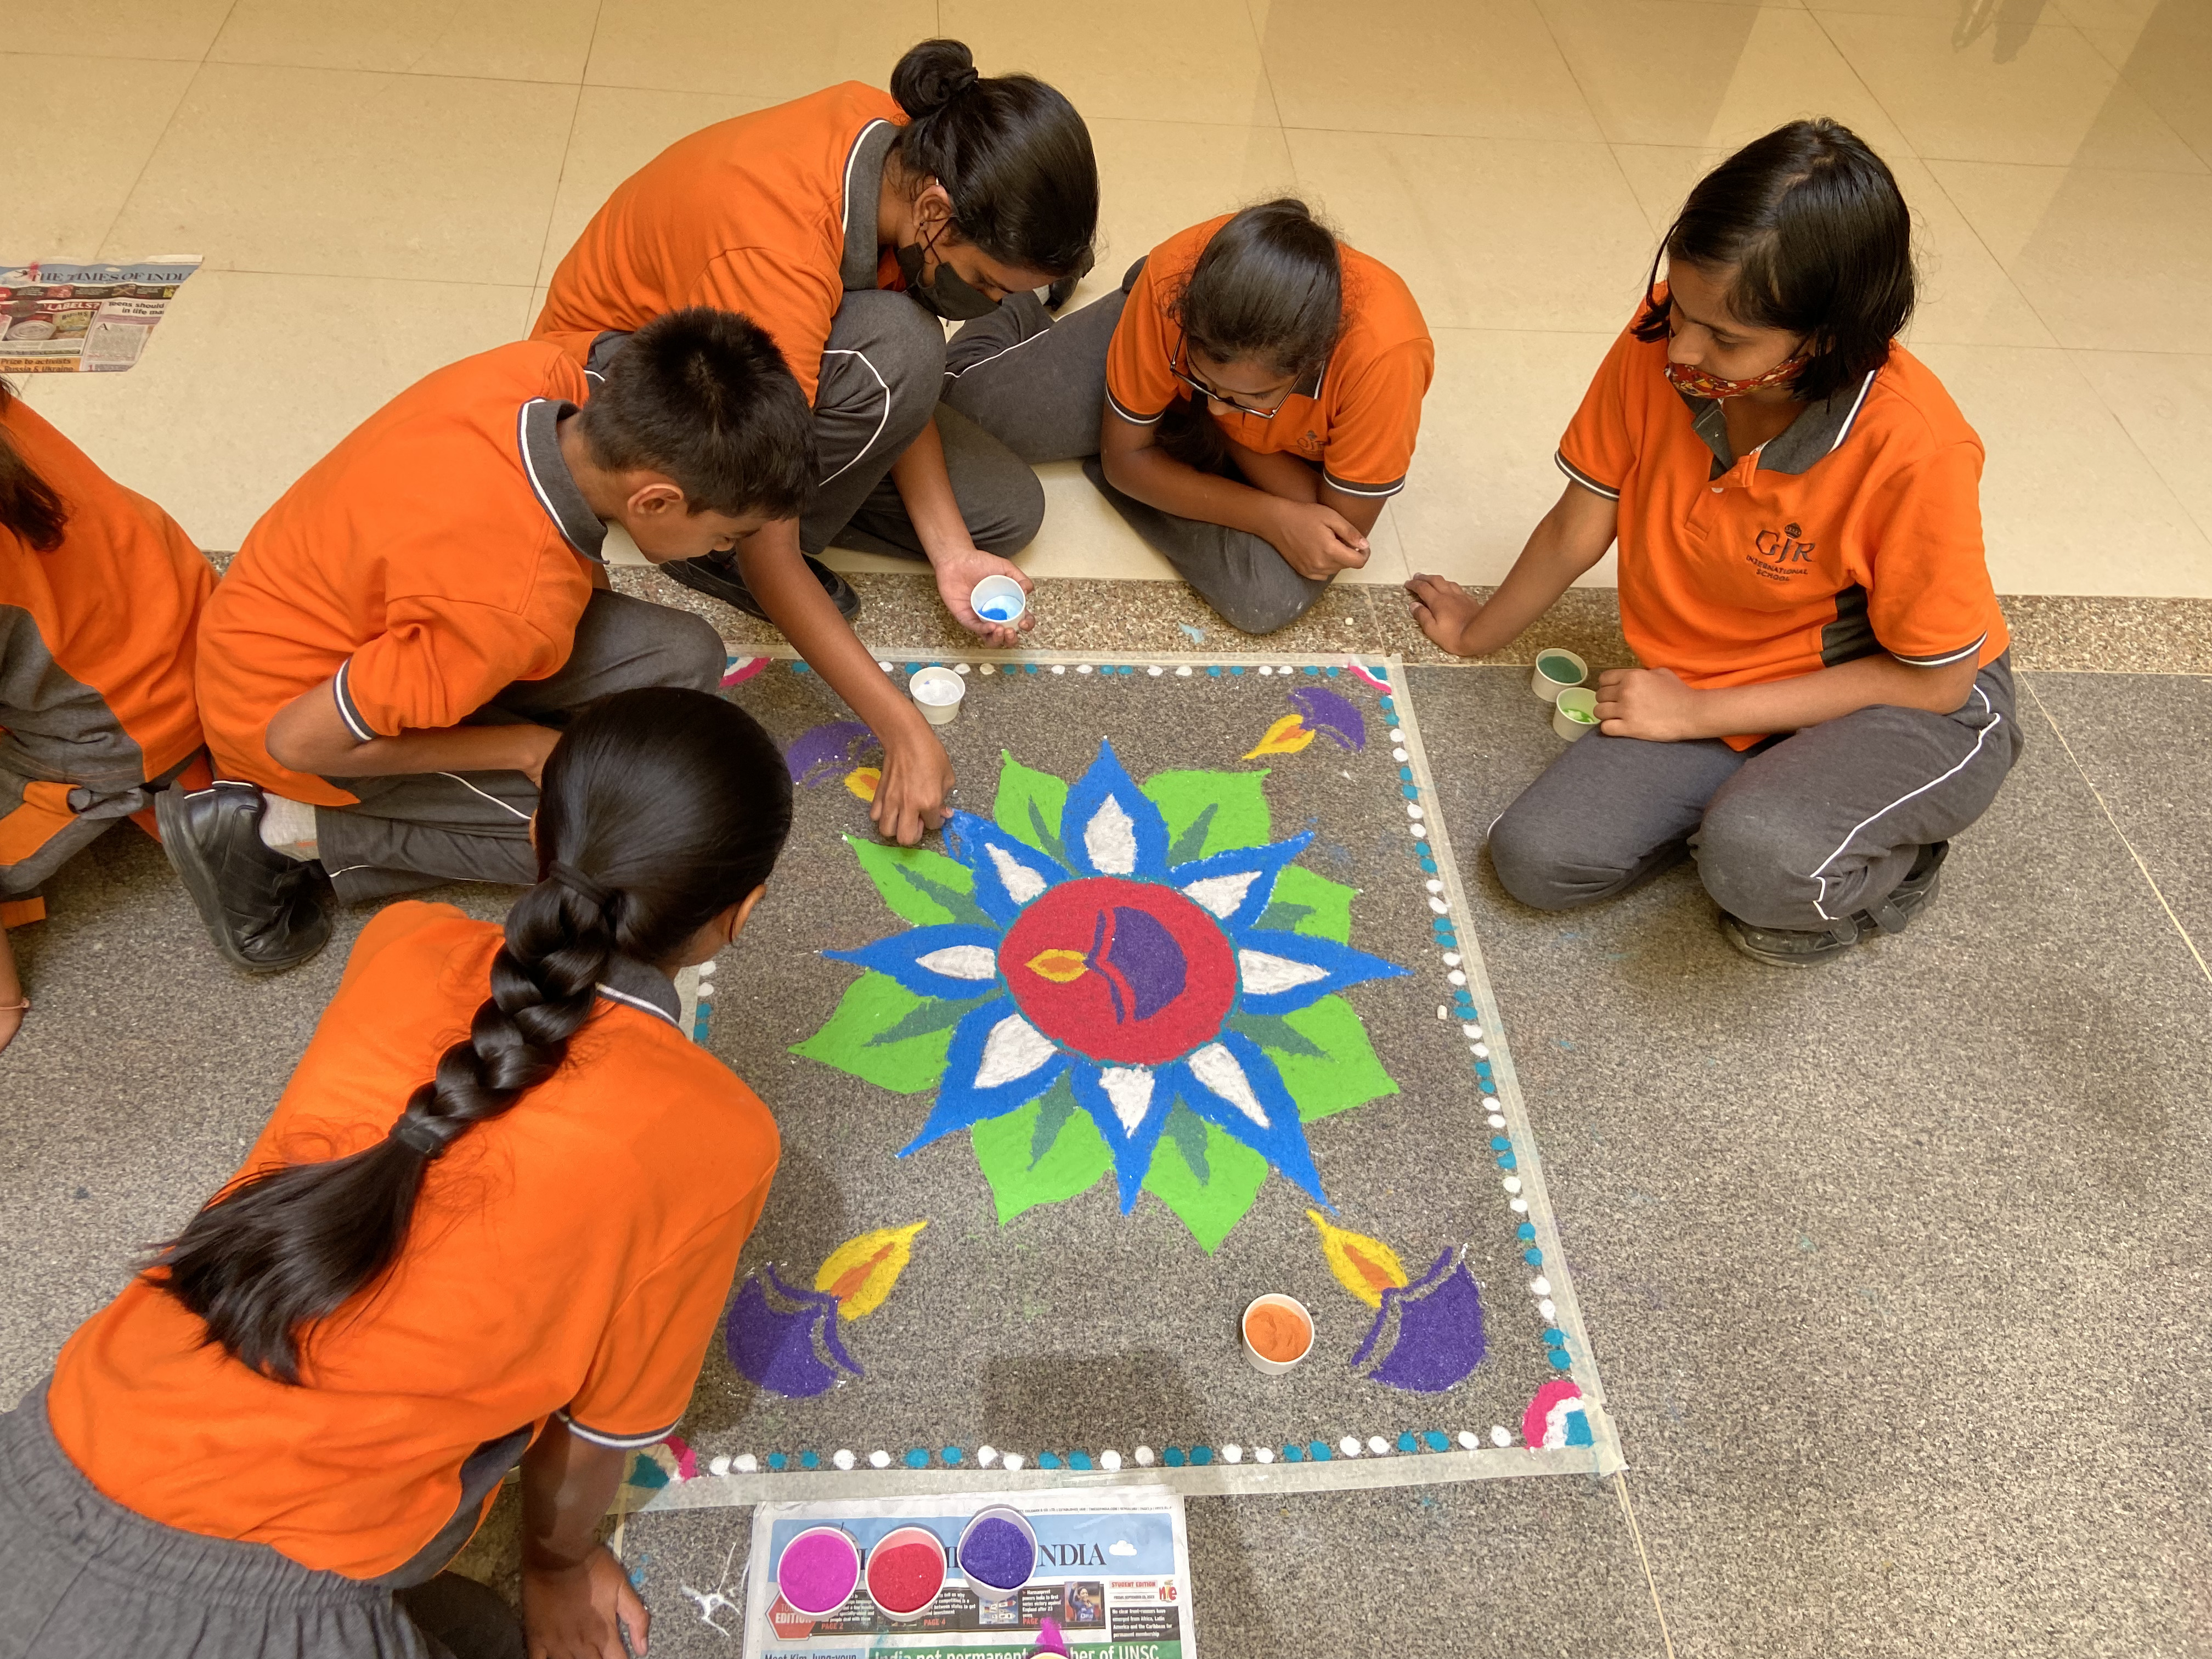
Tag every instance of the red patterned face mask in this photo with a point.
(1686, 377)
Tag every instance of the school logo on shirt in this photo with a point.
(1782, 553)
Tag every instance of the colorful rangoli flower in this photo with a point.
(1083, 954)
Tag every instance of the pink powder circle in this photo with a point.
(818, 1570)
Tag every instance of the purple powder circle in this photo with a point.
(818, 1570)
(997, 1553)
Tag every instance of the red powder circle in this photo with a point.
(1137, 975)
(906, 1578)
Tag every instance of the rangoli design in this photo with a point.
(784, 1337)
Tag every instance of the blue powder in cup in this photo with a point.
(997, 1553)
(996, 611)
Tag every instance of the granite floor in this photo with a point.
(1896, 1271)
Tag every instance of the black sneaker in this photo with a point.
(1784, 947)
(265, 912)
(718, 579)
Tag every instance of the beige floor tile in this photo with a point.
(1697, 75)
(2120, 13)
(2110, 260)
(1482, 71)
(1147, 60)
(617, 130)
(2054, 102)
(496, 39)
(179, 29)
(2069, 505)
(1965, 295)
(2169, 62)
(2164, 399)
(767, 49)
(251, 378)
(339, 173)
(1489, 233)
(1483, 473)
(57, 196)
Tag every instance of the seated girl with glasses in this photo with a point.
(1248, 400)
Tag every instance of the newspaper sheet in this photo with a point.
(60, 318)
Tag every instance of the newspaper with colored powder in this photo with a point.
(1113, 1574)
(61, 318)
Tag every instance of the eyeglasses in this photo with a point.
(1235, 400)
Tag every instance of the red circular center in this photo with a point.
(1122, 972)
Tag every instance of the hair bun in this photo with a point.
(932, 75)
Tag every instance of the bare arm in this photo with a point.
(573, 1591)
(1654, 703)
(917, 772)
(308, 734)
(1566, 542)
(925, 487)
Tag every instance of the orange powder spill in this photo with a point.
(1277, 1334)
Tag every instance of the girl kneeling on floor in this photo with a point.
(1825, 696)
(441, 1257)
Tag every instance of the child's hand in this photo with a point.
(573, 1613)
(1444, 610)
(910, 798)
(1651, 703)
(956, 580)
(1317, 541)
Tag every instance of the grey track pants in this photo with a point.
(1037, 386)
(415, 830)
(1799, 833)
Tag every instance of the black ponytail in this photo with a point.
(1010, 152)
(659, 810)
(1269, 287)
(1811, 224)
(29, 505)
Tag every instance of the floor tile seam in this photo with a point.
(1259, 54)
(365, 275)
(1860, 81)
(1644, 1559)
(168, 125)
(2105, 806)
(395, 75)
(567, 149)
(2204, 524)
(1599, 143)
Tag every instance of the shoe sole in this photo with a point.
(201, 887)
(1799, 962)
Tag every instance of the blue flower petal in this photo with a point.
(1088, 838)
(900, 957)
(1132, 1150)
(962, 1102)
(1282, 1139)
(988, 850)
(1265, 863)
(1337, 965)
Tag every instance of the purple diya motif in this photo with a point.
(1427, 1336)
(1321, 710)
(824, 752)
(785, 1339)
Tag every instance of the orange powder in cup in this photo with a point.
(1277, 1334)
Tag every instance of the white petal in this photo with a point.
(1130, 1088)
(1110, 838)
(1014, 1049)
(1217, 1068)
(1023, 884)
(962, 961)
(1264, 975)
(1222, 894)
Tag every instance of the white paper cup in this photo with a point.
(937, 692)
(1261, 1363)
(1556, 670)
(1575, 714)
(998, 599)
(892, 1539)
(993, 1593)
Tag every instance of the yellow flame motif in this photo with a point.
(1061, 967)
(861, 1272)
(1365, 1267)
(1285, 737)
(863, 780)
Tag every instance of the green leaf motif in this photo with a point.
(859, 1038)
(1275, 1034)
(1344, 1074)
(1192, 841)
(1188, 1130)
(1075, 1163)
(935, 1014)
(920, 885)
(1052, 1113)
(1239, 803)
(1209, 1204)
(1028, 805)
(1325, 905)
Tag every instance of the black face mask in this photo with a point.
(949, 295)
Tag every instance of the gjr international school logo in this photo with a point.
(1782, 547)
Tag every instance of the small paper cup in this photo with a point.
(850, 1549)
(998, 599)
(937, 692)
(1556, 670)
(995, 1593)
(891, 1541)
(1575, 713)
(1291, 1304)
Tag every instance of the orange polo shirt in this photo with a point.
(748, 215)
(571, 1255)
(1356, 418)
(433, 558)
(100, 633)
(1858, 530)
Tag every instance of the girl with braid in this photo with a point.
(494, 1218)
